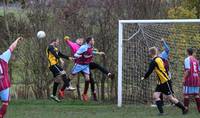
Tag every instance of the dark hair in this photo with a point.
(89, 39)
(190, 51)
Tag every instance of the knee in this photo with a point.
(196, 96)
(156, 97)
(64, 76)
(186, 96)
(57, 80)
(87, 79)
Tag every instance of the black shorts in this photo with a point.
(56, 70)
(165, 88)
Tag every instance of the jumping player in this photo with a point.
(163, 85)
(84, 56)
(191, 80)
(4, 77)
(74, 46)
(54, 56)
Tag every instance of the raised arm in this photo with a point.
(14, 44)
(69, 42)
(166, 47)
(164, 54)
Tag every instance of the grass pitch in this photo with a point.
(78, 109)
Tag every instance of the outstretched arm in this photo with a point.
(63, 56)
(14, 44)
(97, 52)
(7, 54)
(150, 70)
(71, 44)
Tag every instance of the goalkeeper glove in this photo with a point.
(66, 38)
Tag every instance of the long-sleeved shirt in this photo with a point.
(157, 65)
(73, 46)
(165, 54)
(53, 55)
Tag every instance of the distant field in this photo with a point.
(78, 109)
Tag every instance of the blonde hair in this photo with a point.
(153, 51)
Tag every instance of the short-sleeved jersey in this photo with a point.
(4, 76)
(6, 56)
(191, 64)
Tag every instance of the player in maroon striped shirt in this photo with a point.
(191, 80)
(4, 77)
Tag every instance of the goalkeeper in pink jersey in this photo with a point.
(4, 77)
(74, 46)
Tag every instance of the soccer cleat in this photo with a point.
(185, 111)
(70, 88)
(61, 94)
(111, 76)
(153, 105)
(55, 98)
(85, 97)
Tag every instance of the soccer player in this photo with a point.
(74, 46)
(163, 85)
(54, 56)
(164, 55)
(84, 56)
(4, 77)
(191, 80)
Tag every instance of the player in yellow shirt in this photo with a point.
(163, 84)
(54, 57)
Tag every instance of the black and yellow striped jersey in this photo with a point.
(157, 65)
(53, 55)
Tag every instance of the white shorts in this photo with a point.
(80, 68)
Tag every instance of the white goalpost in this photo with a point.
(135, 37)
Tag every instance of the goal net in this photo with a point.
(135, 37)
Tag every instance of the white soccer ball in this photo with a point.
(41, 35)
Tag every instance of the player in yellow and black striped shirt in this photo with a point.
(54, 57)
(163, 84)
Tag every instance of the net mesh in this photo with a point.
(137, 38)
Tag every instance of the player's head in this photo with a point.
(80, 41)
(153, 51)
(90, 40)
(190, 51)
(55, 42)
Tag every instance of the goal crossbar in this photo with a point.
(120, 44)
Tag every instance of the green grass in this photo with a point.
(78, 109)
